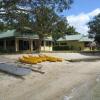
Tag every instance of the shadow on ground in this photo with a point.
(90, 53)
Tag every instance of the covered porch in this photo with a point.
(11, 41)
(22, 44)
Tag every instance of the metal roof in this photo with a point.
(48, 38)
(86, 39)
(13, 33)
(70, 38)
(9, 33)
(81, 38)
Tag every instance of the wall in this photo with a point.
(46, 48)
(73, 45)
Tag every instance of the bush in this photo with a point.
(62, 48)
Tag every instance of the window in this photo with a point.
(86, 44)
(48, 43)
(63, 43)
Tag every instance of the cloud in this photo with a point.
(80, 21)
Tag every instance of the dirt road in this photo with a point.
(58, 80)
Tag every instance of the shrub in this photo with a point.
(62, 48)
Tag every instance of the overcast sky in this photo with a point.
(81, 12)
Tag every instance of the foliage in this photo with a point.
(94, 26)
(71, 31)
(61, 48)
(64, 29)
(65, 47)
(39, 16)
(60, 29)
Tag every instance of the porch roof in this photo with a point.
(6, 34)
(13, 33)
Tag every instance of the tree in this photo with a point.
(94, 27)
(60, 28)
(64, 29)
(71, 31)
(42, 16)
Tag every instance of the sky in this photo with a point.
(81, 12)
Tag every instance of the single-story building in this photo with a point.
(73, 42)
(13, 41)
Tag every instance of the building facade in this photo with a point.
(14, 42)
(74, 42)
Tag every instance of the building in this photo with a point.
(73, 42)
(14, 42)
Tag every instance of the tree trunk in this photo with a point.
(39, 43)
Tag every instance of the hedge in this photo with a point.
(63, 48)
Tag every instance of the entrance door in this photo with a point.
(35, 46)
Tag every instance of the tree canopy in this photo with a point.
(71, 31)
(94, 26)
(41, 16)
(12, 11)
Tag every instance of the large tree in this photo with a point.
(63, 28)
(94, 27)
(41, 16)
(71, 30)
